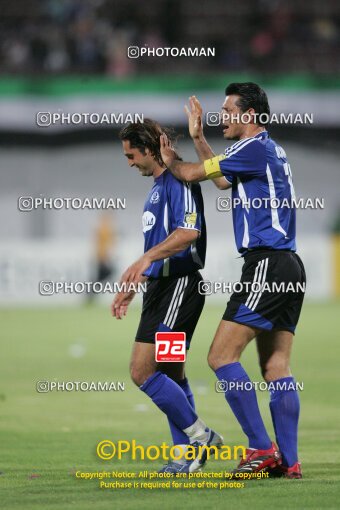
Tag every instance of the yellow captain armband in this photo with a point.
(212, 167)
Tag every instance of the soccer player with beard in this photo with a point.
(174, 251)
(255, 167)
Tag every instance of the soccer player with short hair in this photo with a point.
(255, 167)
(174, 251)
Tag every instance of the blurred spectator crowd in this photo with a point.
(92, 36)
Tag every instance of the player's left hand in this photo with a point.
(134, 273)
(194, 114)
(120, 304)
(167, 151)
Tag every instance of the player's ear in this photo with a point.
(252, 115)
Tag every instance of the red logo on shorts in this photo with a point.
(170, 346)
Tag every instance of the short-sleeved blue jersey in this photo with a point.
(173, 204)
(261, 178)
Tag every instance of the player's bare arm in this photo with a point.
(188, 172)
(195, 125)
(203, 149)
(176, 242)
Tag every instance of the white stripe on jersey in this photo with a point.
(190, 205)
(242, 194)
(235, 145)
(243, 197)
(245, 240)
(237, 149)
(166, 262)
(185, 196)
(274, 211)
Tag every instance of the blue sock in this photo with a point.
(244, 406)
(285, 409)
(178, 435)
(171, 399)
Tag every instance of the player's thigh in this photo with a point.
(142, 362)
(175, 371)
(229, 342)
(274, 350)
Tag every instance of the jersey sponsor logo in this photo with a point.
(155, 197)
(148, 221)
(170, 347)
(190, 218)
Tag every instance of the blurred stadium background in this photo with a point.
(70, 56)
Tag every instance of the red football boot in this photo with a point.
(280, 471)
(259, 460)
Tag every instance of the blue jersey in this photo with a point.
(263, 195)
(173, 204)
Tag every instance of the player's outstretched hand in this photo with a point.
(167, 151)
(120, 304)
(194, 117)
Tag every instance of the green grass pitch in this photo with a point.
(45, 438)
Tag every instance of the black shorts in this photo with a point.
(171, 304)
(272, 291)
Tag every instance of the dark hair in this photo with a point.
(145, 135)
(251, 96)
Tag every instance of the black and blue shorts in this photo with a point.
(272, 291)
(171, 304)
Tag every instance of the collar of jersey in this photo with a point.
(156, 179)
(260, 135)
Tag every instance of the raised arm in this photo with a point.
(203, 149)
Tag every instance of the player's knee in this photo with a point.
(212, 360)
(138, 375)
(215, 360)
